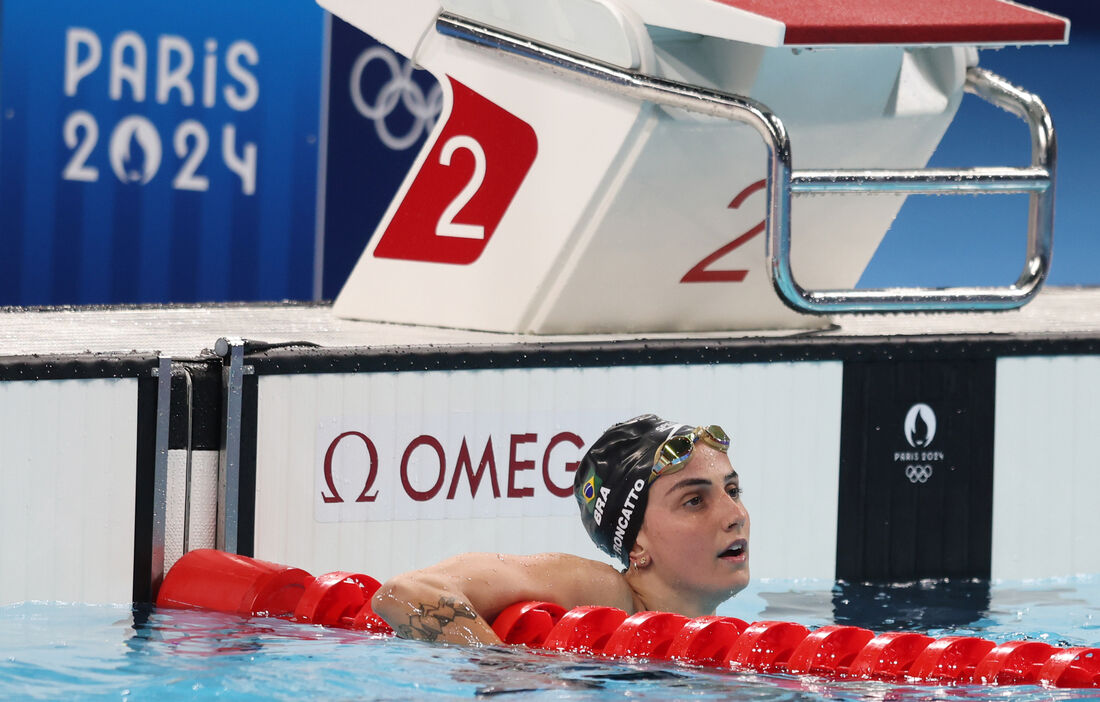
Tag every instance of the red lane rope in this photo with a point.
(224, 582)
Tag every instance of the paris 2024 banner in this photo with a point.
(158, 152)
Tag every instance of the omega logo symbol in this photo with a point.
(920, 425)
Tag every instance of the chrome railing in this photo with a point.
(1037, 180)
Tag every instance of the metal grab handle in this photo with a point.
(1036, 180)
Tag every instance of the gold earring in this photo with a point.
(643, 561)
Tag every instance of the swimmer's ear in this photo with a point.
(639, 554)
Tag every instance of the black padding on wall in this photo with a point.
(916, 496)
(144, 478)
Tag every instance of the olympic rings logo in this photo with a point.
(918, 473)
(399, 88)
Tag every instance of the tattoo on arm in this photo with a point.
(427, 622)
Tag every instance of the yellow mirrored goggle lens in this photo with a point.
(716, 437)
(673, 453)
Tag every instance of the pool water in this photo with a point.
(73, 651)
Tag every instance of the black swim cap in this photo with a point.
(612, 482)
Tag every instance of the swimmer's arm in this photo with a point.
(454, 601)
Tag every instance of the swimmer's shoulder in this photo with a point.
(492, 581)
(584, 581)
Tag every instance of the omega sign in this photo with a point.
(368, 476)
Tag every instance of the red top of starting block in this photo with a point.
(818, 22)
(859, 22)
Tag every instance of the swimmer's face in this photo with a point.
(696, 530)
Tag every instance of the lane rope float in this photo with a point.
(225, 582)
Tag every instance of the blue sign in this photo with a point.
(156, 152)
(380, 112)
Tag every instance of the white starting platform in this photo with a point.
(606, 165)
(607, 220)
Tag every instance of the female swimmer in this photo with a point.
(661, 497)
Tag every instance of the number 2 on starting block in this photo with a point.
(463, 188)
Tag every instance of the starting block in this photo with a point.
(628, 165)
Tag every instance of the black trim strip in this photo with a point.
(307, 359)
(143, 488)
(76, 366)
(246, 521)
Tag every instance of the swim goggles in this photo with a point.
(675, 452)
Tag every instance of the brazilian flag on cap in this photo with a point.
(589, 489)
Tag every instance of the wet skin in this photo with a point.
(693, 518)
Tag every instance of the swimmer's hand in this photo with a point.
(454, 601)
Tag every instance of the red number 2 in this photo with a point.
(701, 274)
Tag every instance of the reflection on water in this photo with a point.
(919, 606)
(929, 604)
(1058, 612)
